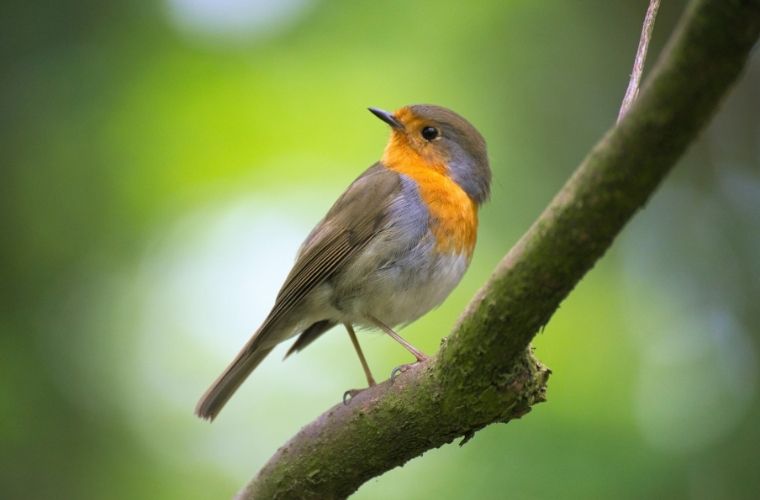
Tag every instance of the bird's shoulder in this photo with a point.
(362, 208)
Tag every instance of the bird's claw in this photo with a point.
(351, 394)
(399, 370)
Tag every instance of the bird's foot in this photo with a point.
(401, 369)
(398, 370)
(350, 394)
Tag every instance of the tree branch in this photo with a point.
(484, 372)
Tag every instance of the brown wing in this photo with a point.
(349, 225)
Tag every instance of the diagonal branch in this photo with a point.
(484, 372)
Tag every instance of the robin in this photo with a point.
(391, 248)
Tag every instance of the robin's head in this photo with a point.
(434, 137)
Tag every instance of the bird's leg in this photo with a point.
(395, 336)
(362, 359)
(419, 355)
(351, 393)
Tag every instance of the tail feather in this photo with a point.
(228, 382)
(310, 335)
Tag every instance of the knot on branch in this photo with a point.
(527, 379)
(514, 392)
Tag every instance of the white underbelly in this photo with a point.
(402, 293)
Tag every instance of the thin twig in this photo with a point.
(641, 55)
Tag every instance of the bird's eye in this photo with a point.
(429, 133)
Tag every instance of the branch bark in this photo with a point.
(484, 371)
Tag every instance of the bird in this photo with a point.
(391, 248)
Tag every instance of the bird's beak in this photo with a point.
(387, 118)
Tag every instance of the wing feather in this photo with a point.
(350, 224)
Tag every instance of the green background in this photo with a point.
(161, 163)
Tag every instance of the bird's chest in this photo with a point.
(452, 215)
(432, 235)
(418, 258)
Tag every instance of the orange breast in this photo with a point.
(454, 216)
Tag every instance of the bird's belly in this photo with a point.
(401, 290)
(424, 290)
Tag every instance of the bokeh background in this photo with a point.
(161, 162)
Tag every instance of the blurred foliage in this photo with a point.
(160, 163)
